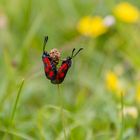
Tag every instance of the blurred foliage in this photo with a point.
(91, 109)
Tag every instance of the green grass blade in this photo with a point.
(16, 102)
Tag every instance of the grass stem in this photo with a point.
(62, 112)
(16, 102)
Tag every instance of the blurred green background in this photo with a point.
(91, 109)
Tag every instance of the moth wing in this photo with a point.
(49, 68)
(62, 71)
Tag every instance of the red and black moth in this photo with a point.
(54, 74)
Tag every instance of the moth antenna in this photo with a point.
(77, 52)
(45, 41)
(72, 52)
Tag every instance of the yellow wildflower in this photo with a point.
(126, 12)
(92, 26)
(138, 93)
(112, 81)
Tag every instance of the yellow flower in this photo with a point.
(138, 93)
(112, 81)
(126, 12)
(113, 84)
(92, 26)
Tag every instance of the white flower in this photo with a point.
(109, 20)
(131, 111)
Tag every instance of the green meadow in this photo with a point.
(99, 98)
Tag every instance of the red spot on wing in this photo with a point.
(61, 75)
(63, 67)
(47, 61)
(51, 73)
(46, 69)
(62, 72)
